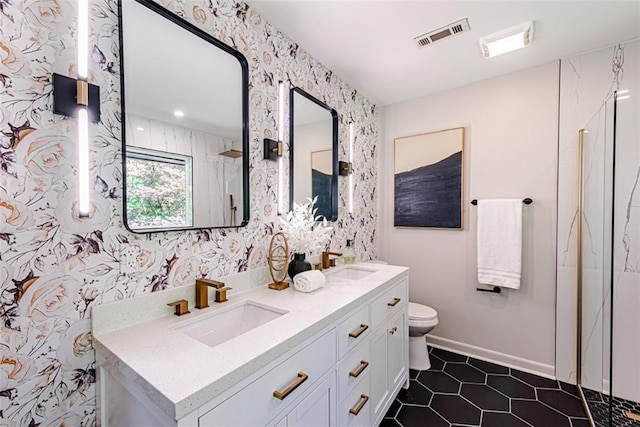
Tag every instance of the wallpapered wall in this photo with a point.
(55, 266)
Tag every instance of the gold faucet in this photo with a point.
(202, 296)
(182, 307)
(329, 262)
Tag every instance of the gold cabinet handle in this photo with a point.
(393, 330)
(393, 302)
(302, 377)
(362, 367)
(363, 327)
(363, 401)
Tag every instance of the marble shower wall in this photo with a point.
(215, 176)
(55, 266)
(587, 84)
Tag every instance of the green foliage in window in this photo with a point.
(156, 193)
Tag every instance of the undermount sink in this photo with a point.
(230, 323)
(352, 273)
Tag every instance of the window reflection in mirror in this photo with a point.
(159, 189)
(313, 157)
(185, 124)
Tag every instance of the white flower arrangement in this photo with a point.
(305, 231)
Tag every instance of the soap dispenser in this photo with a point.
(348, 253)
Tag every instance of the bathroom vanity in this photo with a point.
(335, 356)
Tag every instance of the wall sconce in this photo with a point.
(77, 98)
(345, 168)
(273, 149)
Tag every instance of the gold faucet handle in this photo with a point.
(181, 307)
(209, 282)
(221, 294)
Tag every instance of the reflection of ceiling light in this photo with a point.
(140, 128)
(178, 113)
(507, 40)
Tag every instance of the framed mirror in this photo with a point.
(185, 116)
(313, 156)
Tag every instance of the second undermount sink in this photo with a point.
(352, 273)
(229, 323)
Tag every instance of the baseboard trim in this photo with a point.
(508, 360)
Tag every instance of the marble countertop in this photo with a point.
(179, 373)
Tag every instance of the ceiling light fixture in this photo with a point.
(508, 40)
(178, 113)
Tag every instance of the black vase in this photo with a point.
(298, 265)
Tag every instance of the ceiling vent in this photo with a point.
(442, 33)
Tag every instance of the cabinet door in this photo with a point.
(396, 349)
(318, 408)
(379, 378)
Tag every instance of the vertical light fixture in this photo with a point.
(77, 98)
(83, 102)
(351, 141)
(273, 149)
(280, 139)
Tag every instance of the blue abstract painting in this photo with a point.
(429, 179)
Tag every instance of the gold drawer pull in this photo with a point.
(393, 302)
(393, 330)
(363, 401)
(363, 327)
(362, 367)
(302, 377)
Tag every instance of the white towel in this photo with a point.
(500, 242)
(308, 281)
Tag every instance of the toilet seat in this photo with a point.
(421, 313)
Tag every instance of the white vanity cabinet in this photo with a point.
(293, 378)
(389, 348)
(345, 374)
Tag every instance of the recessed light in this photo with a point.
(178, 113)
(140, 128)
(507, 40)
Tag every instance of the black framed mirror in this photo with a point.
(313, 153)
(185, 132)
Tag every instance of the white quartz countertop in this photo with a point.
(179, 373)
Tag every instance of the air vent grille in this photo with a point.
(443, 32)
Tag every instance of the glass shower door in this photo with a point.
(594, 261)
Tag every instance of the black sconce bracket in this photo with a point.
(345, 168)
(65, 101)
(272, 149)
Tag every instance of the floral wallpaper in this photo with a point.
(54, 265)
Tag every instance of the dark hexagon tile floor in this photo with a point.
(599, 407)
(463, 391)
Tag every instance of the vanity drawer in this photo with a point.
(356, 401)
(353, 368)
(290, 379)
(391, 301)
(353, 331)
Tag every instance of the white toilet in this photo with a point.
(422, 319)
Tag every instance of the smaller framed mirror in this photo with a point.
(313, 155)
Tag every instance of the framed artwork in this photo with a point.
(428, 179)
(321, 180)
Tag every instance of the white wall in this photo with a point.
(511, 148)
(307, 139)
